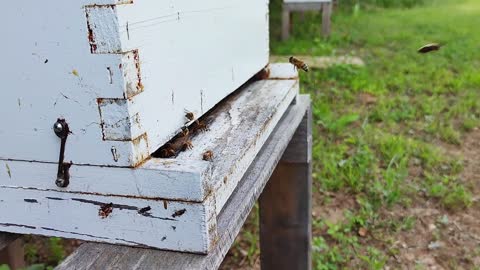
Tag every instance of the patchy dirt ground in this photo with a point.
(439, 239)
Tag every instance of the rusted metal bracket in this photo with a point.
(62, 130)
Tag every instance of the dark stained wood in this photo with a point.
(6, 239)
(230, 220)
(285, 207)
(285, 23)
(326, 19)
(13, 254)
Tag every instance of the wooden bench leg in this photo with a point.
(13, 255)
(285, 207)
(285, 23)
(326, 18)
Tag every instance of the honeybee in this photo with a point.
(200, 125)
(429, 48)
(168, 151)
(185, 132)
(208, 155)
(298, 64)
(189, 115)
(187, 144)
(105, 210)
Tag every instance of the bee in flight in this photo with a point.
(298, 63)
(429, 48)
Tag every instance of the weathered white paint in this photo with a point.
(152, 59)
(285, 71)
(78, 216)
(157, 178)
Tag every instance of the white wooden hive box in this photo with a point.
(121, 72)
(166, 203)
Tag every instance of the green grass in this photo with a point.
(422, 101)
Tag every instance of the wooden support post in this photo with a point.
(286, 24)
(285, 206)
(326, 18)
(13, 255)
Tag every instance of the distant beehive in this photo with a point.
(121, 73)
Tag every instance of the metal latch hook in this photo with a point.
(62, 130)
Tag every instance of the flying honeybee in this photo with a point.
(298, 63)
(429, 48)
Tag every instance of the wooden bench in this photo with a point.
(305, 5)
(279, 177)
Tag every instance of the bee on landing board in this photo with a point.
(185, 132)
(298, 64)
(199, 126)
(168, 151)
(187, 145)
(208, 155)
(429, 48)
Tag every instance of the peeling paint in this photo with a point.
(55, 198)
(114, 154)
(110, 75)
(145, 211)
(9, 172)
(17, 225)
(179, 213)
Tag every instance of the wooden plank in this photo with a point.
(326, 18)
(168, 179)
(6, 239)
(13, 255)
(286, 23)
(285, 207)
(286, 71)
(230, 221)
(138, 53)
(171, 225)
(321, 62)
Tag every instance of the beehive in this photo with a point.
(121, 73)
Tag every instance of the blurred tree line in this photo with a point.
(381, 3)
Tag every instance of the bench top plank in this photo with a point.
(230, 220)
